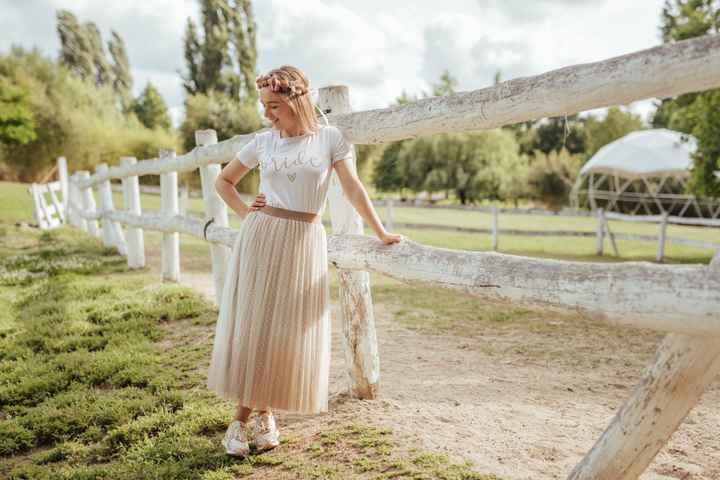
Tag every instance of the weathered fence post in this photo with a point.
(684, 366)
(184, 194)
(359, 337)
(390, 221)
(41, 213)
(131, 196)
(112, 231)
(611, 236)
(494, 228)
(170, 257)
(215, 208)
(88, 203)
(600, 231)
(75, 203)
(64, 187)
(661, 237)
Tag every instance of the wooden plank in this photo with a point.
(215, 208)
(684, 366)
(638, 294)
(170, 254)
(362, 360)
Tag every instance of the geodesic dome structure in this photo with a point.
(643, 172)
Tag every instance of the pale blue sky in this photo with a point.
(376, 47)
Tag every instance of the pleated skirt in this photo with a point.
(272, 339)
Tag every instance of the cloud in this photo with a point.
(534, 10)
(472, 53)
(375, 55)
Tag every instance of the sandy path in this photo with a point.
(512, 418)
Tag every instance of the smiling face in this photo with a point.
(279, 112)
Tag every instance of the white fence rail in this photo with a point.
(684, 299)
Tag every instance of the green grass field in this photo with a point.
(15, 206)
(102, 369)
(102, 377)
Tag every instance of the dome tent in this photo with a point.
(646, 169)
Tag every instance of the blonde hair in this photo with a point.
(292, 84)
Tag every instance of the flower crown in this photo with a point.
(291, 88)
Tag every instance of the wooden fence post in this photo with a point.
(112, 231)
(75, 203)
(359, 337)
(88, 203)
(170, 258)
(41, 213)
(184, 194)
(215, 208)
(131, 197)
(494, 228)
(661, 238)
(600, 231)
(611, 236)
(684, 366)
(64, 186)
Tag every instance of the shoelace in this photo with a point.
(263, 424)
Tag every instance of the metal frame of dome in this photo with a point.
(662, 160)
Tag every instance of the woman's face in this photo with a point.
(278, 112)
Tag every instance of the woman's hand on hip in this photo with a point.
(258, 203)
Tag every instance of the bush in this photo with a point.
(551, 177)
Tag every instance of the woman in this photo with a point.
(272, 340)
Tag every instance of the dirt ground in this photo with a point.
(513, 418)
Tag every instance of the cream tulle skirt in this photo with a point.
(272, 339)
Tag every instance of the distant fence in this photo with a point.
(683, 300)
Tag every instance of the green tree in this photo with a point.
(616, 124)
(214, 110)
(150, 108)
(224, 58)
(82, 51)
(551, 177)
(122, 79)
(73, 118)
(693, 113)
(554, 134)
(16, 119)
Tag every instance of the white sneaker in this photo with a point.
(267, 436)
(235, 440)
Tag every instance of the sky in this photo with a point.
(378, 48)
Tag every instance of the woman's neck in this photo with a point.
(296, 132)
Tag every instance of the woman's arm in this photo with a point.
(225, 186)
(356, 193)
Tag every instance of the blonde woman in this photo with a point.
(272, 339)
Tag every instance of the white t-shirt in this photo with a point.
(295, 172)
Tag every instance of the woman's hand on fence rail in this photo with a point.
(258, 203)
(390, 238)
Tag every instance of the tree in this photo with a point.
(16, 119)
(150, 108)
(224, 58)
(616, 124)
(557, 133)
(693, 113)
(122, 79)
(81, 50)
(552, 176)
(73, 118)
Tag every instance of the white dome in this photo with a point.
(645, 153)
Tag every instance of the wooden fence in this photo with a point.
(682, 300)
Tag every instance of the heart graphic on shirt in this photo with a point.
(292, 176)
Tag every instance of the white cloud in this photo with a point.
(377, 48)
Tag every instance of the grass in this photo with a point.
(102, 377)
(16, 206)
